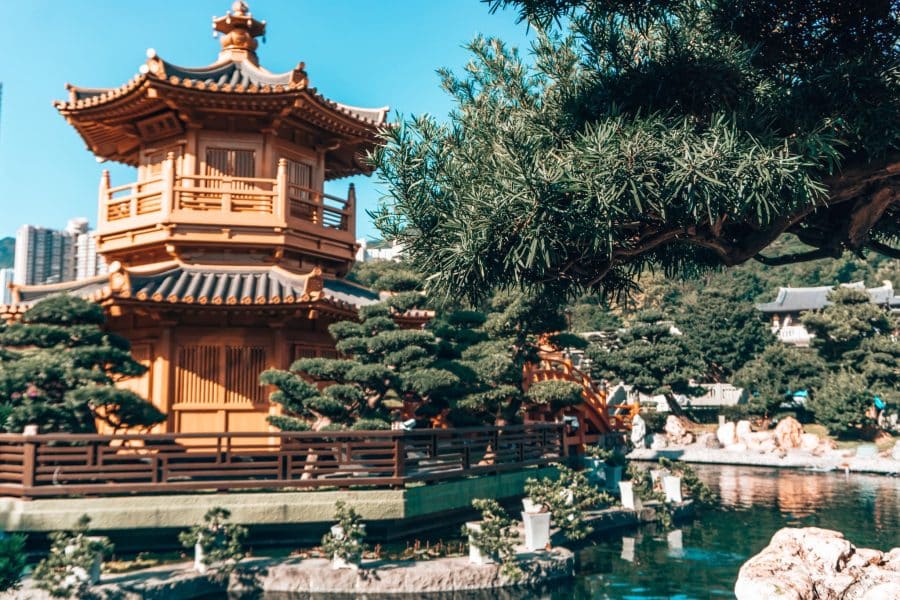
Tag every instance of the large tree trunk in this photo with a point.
(674, 407)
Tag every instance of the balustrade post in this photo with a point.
(29, 466)
(281, 197)
(103, 200)
(350, 207)
(168, 188)
(399, 456)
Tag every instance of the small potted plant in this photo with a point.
(215, 542)
(568, 499)
(74, 561)
(492, 539)
(344, 543)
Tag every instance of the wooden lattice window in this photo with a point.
(230, 162)
(198, 375)
(242, 368)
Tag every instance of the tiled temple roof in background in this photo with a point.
(792, 300)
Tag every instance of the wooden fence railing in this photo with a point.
(53, 465)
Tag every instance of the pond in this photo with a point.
(700, 559)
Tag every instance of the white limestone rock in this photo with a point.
(809, 442)
(742, 430)
(817, 563)
(727, 434)
(788, 433)
(895, 452)
(638, 431)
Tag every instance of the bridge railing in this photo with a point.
(55, 465)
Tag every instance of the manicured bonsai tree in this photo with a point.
(494, 536)
(344, 543)
(73, 564)
(58, 371)
(569, 497)
(220, 544)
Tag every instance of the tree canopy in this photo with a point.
(678, 135)
(58, 368)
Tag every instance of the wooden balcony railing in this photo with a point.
(222, 200)
(54, 465)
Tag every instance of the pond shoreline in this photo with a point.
(792, 459)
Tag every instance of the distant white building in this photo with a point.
(717, 395)
(378, 250)
(46, 255)
(6, 279)
(791, 303)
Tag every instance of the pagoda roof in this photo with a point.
(114, 121)
(793, 300)
(214, 285)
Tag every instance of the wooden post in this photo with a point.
(168, 187)
(102, 210)
(29, 466)
(399, 456)
(281, 207)
(350, 207)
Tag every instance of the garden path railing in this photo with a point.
(55, 465)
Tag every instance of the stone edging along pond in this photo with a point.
(315, 575)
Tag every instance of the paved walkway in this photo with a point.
(793, 459)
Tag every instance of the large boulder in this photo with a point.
(742, 429)
(760, 441)
(727, 434)
(708, 439)
(788, 433)
(809, 441)
(817, 563)
(895, 453)
(677, 431)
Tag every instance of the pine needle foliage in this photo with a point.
(666, 135)
(58, 370)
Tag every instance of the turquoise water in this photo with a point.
(700, 559)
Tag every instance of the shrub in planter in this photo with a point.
(12, 560)
(73, 564)
(215, 542)
(344, 543)
(494, 536)
(568, 498)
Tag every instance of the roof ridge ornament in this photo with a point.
(239, 32)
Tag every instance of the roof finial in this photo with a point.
(240, 31)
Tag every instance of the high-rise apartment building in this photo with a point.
(50, 256)
(6, 278)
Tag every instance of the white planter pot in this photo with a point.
(530, 506)
(672, 488)
(537, 530)
(629, 500)
(199, 566)
(613, 477)
(476, 556)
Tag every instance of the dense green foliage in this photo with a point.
(12, 561)
(58, 368)
(772, 377)
(842, 403)
(668, 134)
(651, 357)
(222, 542)
(66, 571)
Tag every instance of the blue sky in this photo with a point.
(360, 52)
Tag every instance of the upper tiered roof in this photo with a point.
(164, 97)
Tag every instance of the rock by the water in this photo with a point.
(895, 453)
(742, 429)
(708, 440)
(726, 434)
(809, 441)
(638, 431)
(677, 431)
(760, 441)
(817, 563)
(658, 442)
(788, 433)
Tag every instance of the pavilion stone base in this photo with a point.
(391, 513)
